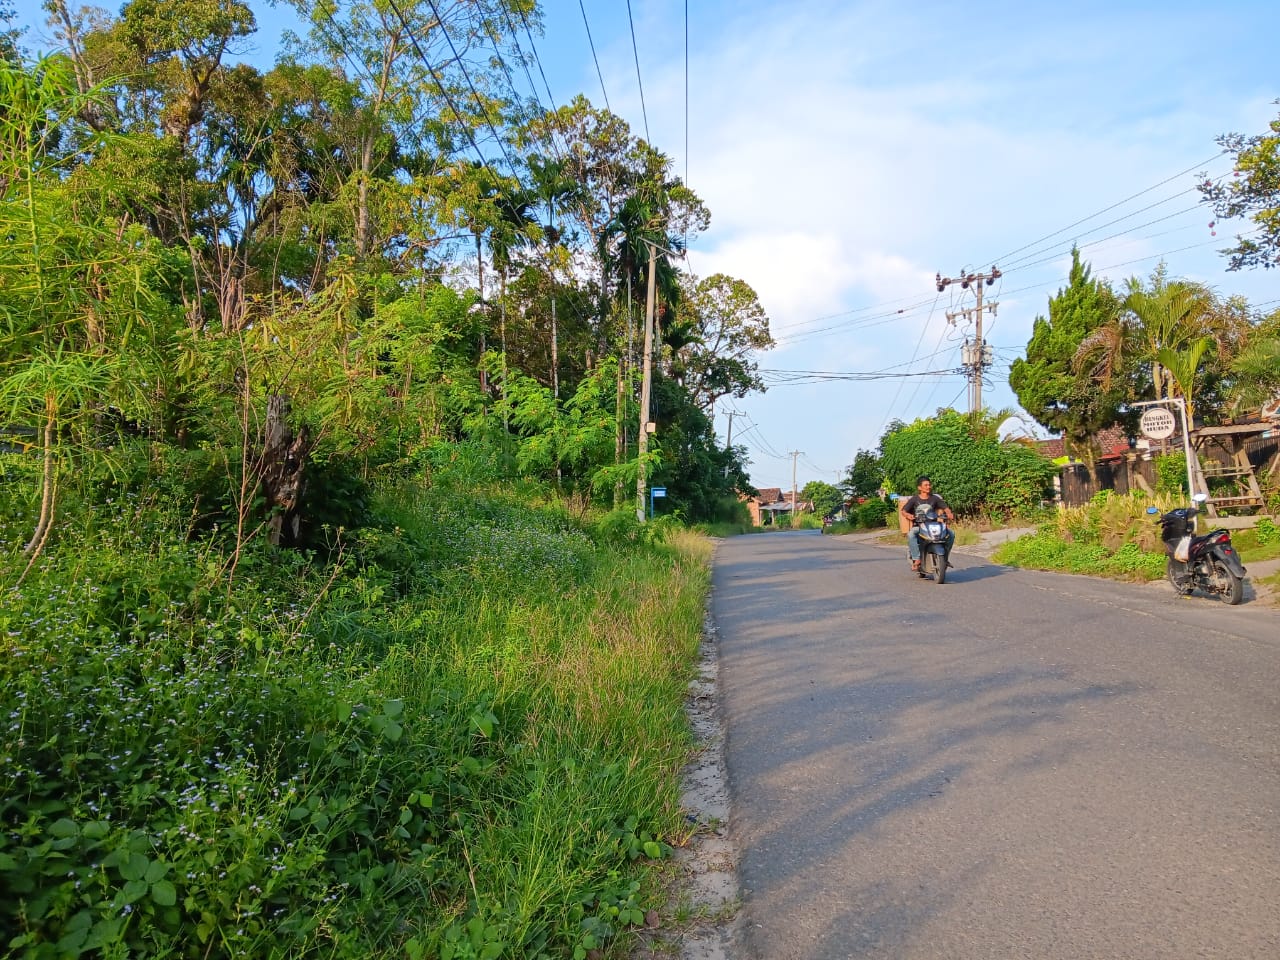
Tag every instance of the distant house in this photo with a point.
(1111, 444)
(770, 503)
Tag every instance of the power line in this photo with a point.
(779, 377)
(592, 44)
(765, 446)
(640, 83)
(533, 47)
(928, 396)
(1108, 209)
(919, 341)
(466, 129)
(1021, 265)
(484, 110)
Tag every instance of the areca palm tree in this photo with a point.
(1257, 369)
(1168, 329)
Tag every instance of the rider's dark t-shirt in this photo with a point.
(933, 500)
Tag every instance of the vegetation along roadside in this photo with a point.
(1114, 537)
(461, 738)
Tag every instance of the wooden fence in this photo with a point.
(1135, 474)
(1122, 476)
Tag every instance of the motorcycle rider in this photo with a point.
(924, 496)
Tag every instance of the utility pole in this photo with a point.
(728, 440)
(647, 426)
(795, 506)
(646, 384)
(977, 356)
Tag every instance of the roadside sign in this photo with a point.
(1158, 423)
(659, 491)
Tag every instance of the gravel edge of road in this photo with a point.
(705, 886)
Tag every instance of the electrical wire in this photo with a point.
(640, 83)
(765, 446)
(466, 75)
(785, 377)
(919, 341)
(1093, 243)
(592, 44)
(1108, 209)
(533, 47)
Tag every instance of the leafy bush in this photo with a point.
(349, 761)
(1267, 531)
(874, 513)
(1171, 474)
(1111, 535)
(973, 471)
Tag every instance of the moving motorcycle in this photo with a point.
(1209, 562)
(933, 543)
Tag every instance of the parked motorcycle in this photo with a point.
(1209, 562)
(933, 543)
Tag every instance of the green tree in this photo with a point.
(970, 468)
(1048, 383)
(1253, 192)
(1167, 330)
(9, 34)
(727, 329)
(702, 478)
(825, 497)
(84, 320)
(1255, 368)
(866, 475)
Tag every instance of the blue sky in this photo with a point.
(849, 150)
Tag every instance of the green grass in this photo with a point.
(1114, 538)
(463, 740)
(1046, 550)
(1262, 542)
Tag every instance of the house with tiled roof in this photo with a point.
(1110, 444)
(771, 502)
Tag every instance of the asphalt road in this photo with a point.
(1011, 764)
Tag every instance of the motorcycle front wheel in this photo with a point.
(1179, 576)
(1225, 583)
(939, 568)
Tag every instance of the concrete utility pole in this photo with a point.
(647, 426)
(646, 382)
(795, 506)
(977, 356)
(728, 440)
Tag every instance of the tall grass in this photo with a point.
(462, 741)
(1110, 536)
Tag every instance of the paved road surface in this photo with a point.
(1013, 764)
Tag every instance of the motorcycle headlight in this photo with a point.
(934, 530)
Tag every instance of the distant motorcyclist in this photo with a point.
(925, 497)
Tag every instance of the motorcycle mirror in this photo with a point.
(1153, 509)
(1200, 497)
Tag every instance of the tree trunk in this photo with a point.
(48, 483)
(620, 438)
(282, 474)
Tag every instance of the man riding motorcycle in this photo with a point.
(924, 496)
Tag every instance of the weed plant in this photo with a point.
(1111, 536)
(462, 740)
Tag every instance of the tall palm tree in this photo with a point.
(1168, 328)
(1257, 369)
